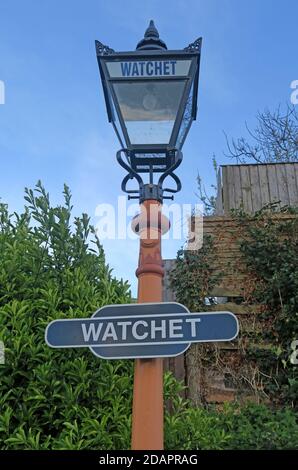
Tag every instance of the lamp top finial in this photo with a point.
(151, 39)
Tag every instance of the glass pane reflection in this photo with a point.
(149, 109)
(186, 120)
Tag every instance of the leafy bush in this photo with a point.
(270, 250)
(235, 427)
(64, 399)
(259, 427)
(192, 277)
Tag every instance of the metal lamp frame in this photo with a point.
(150, 158)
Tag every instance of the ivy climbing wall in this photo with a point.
(219, 372)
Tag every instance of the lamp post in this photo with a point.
(151, 101)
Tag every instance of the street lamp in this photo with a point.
(151, 100)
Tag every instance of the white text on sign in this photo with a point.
(139, 330)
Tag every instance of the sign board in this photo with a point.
(149, 68)
(141, 330)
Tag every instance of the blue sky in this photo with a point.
(53, 125)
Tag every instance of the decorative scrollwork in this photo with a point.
(194, 46)
(150, 190)
(101, 49)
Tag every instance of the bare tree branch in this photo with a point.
(275, 139)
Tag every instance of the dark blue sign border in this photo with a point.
(221, 326)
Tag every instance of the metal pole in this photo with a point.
(147, 413)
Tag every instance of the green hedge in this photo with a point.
(250, 426)
(54, 267)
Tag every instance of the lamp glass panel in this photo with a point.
(186, 120)
(149, 109)
(117, 124)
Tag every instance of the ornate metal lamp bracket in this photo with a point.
(150, 190)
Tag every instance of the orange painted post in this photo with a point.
(147, 413)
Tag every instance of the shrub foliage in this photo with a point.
(269, 245)
(58, 399)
